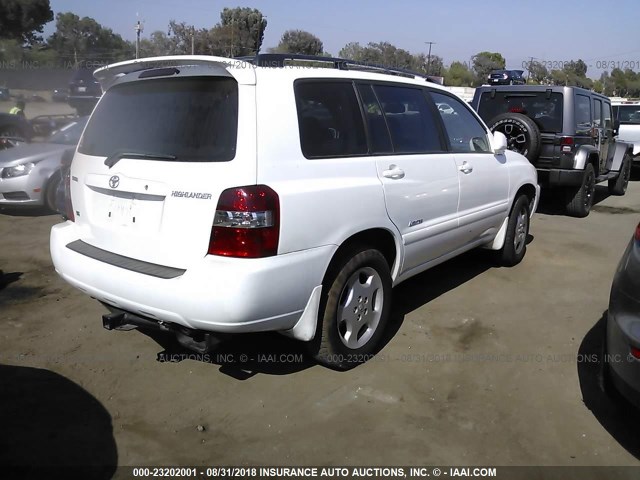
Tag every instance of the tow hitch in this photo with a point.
(197, 340)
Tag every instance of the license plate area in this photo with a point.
(122, 209)
(82, 89)
(117, 209)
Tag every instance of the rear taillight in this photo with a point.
(247, 223)
(635, 352)
(636, 235)
(566, 144)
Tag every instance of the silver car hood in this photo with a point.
(31, 152)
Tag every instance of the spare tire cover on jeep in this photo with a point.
(523, 135)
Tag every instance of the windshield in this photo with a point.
(545, 110)
(627, 114)
(69, 134)
(189, 119)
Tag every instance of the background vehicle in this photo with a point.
(567, 133)
(208, 197)
(627, 114)
(84, 91)
(14, 129)
(30, 173)
(623, 324)
(60, 95)
(506, 77)
(4, 94)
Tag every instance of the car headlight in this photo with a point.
(18, 170)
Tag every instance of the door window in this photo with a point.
(465, 132)
(411, 122)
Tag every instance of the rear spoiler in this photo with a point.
(242, 71)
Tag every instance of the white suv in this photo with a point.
(211, 196)
(627, 117)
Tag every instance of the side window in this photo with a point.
(329, 119)
(607, 115)
(376, 123)
(466, 134)
(583, 115)
(410, 120)
(597, 112)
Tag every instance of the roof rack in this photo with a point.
(279, 59)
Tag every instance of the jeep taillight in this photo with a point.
(247, 223)
(636, 235)
(566, 144)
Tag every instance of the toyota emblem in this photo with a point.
(114, 181)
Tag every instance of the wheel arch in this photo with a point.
(381, 239)
(586, 154)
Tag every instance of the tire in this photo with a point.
(618, 185)
(515, 242)
(354, 310)
(51, 192)
(580, 200)
(523, 135)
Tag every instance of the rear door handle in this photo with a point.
(394, 173)
(465, 167)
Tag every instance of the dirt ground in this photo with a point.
(483, 366)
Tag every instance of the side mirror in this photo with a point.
(616, 127)
(499, 143)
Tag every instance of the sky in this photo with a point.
(599, 32)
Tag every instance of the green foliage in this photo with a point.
(246, 28)
(484, 62)
(299, 41)
(77, 40)
(459, 75)
(538, 73)
(621, 83)
(388, 55)
(21, 19)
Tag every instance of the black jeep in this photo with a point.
(567, 133)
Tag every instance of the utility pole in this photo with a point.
(139, 28)
(193, 36)
(529, 69)
(429, 57)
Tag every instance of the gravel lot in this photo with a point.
(484, 366)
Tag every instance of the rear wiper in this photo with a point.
(114, 158)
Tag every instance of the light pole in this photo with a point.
(139, 28)
(429, 57)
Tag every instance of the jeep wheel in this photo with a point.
(354, 310)
(515, 242)
(523, 135)
(580, 200)
(618, 185)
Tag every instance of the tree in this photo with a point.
(459, 75)
(299, 41)
(246, 27)
(158, 44)
(21, 19)
(538, 73)
(389, 55)
(83, 39)
(579, 68)
(484, 62)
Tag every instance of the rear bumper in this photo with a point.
(624, 369)
(556, 177)
(214, 294)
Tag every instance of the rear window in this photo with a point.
(544, 109)
(194, 119)
(627, 114)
